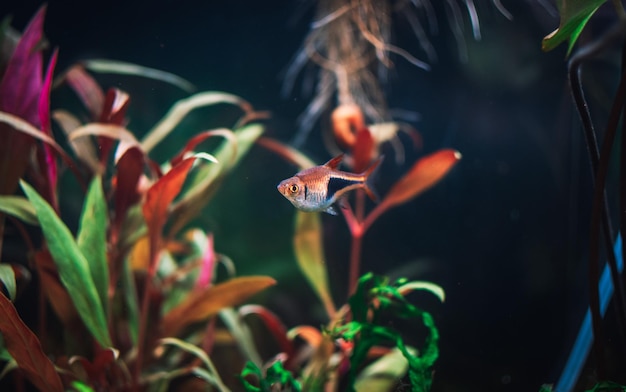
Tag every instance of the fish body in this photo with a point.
(318, 188)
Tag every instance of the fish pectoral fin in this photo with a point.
(331, 210)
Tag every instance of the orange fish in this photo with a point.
(318, 188)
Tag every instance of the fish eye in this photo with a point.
(293, 188)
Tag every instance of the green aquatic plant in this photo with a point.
(134, 292)
(375, 299)
(343, 349)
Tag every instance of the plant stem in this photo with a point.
(599, 209)
(357, 231)
(145, 309)
(355, 260)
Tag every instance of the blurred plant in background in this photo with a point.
(594, 326)
(350, 44)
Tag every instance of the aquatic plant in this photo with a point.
(137, 301)
(574, 17)
(356, 328)
(349, 42)
(135, 292)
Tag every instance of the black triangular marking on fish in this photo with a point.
(336, 184)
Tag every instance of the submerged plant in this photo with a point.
(574, 17)
(350, 43)
(134, 293)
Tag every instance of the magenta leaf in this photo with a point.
(49, 164)
(20, 89)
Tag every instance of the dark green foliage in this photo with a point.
(374, 298)
(275, 377)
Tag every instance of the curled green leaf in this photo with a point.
(18, 207)
(574, 16)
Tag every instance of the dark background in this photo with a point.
(504, 233)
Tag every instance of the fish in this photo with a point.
(319, 188)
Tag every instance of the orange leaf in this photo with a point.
(204, 303)
(424, 174)
(25, 348)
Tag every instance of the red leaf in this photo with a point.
(129, 170)
(25, 348)
(274, 325)
(115, 105)
(424, 174)
(199, 138)
(158, 199)
(362, 150)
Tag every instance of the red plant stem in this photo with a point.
(357, 230)
(355, 260)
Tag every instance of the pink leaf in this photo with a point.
(208, 264)
(20, 88)
(88, 91)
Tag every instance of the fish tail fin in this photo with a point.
(369, 176)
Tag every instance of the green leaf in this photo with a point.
(132, 302)
(92, 238)
(435, 289)
(383, 374)
(18, 207)
(241, 333)
(4, 354)
(309, 251)
(212, 376)
(574, 16)
(73, 267)
(25, 348)
(276, 378)
(80, 386)
(7, 276)
(205, 180)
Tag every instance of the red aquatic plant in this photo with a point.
(125, 286)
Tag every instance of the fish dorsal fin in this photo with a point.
(334, 163)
